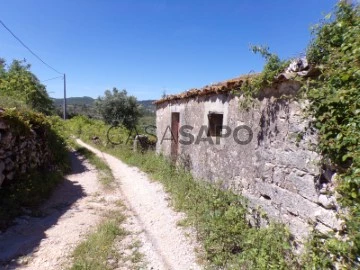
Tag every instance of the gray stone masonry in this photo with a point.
(279, 170)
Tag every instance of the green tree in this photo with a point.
(116, 105)
(19, 83)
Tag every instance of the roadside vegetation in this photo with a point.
(335, 105)
(109, 246)
(27, 108)
(18, 85)
(97, 251)
(26, 191)
(105, 175)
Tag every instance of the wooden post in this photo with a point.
(64, 109)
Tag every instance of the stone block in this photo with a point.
(327, 202)
(328, 218)
(304, 185)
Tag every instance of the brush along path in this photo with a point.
(149, 202)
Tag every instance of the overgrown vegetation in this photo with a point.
(105, 175)
(335, 103)
(255, 82)
(29, 190)
(19, 84)
(26, 103)
(95, 251)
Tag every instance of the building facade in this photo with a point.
(265, 152)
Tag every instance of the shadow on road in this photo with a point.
(24, 237)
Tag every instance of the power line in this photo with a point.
(52, 79)
(22, 43)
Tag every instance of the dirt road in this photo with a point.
(166, 245)
(46, 241)
(77, 206)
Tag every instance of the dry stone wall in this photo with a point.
(20, 153)
(278, 170)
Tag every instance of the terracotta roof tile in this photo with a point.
(221, 87)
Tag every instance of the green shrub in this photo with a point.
(335, 103)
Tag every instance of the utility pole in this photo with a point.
(64, 97)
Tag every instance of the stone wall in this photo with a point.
(21, 152)
(278, 170)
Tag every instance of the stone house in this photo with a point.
(266, 152)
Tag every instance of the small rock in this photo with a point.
(328, 203)
(112, 263)
(323, 189)
(334, 178)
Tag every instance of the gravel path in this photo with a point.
(45, 242)
(165, 244)
(79, 204)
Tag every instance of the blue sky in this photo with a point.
(148, 47)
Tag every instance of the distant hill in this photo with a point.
(147, 104)
(74, 101)
(85, 106)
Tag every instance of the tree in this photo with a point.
(19, 83)
(116, 105)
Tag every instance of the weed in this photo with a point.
(28, 191)
(105, 174)
(94, 252)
